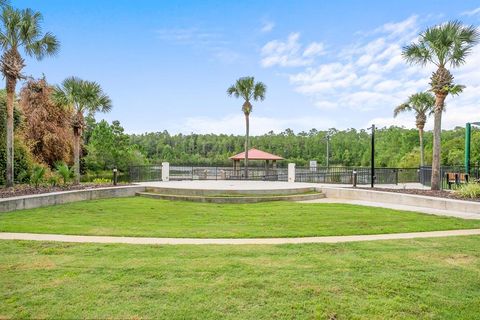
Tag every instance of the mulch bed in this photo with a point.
(25, 190)
(430, 193)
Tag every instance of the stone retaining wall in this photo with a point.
(402, 199)
(48, 199)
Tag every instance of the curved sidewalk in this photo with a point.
(231, 241)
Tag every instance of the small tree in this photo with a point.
(81, 97)
(46, 126)
(20, 29)
(422, 104)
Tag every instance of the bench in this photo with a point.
(456, 178)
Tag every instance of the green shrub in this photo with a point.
(64, 172)
(102, 181)
(37, 176)
(53, 180)
(469, 190)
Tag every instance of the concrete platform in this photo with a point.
(232, 198)
(236, 185)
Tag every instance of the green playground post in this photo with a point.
(468, 129)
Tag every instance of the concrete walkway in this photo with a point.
(437, 212)
(196, 241)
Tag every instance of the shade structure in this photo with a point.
(255, 154)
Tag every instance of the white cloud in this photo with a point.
(399, 28)
(267, 26)
(314, 49)
(212, 42)
(472, 12)
(369, 78)
(369, 75)
(290, 53)
(191, 36)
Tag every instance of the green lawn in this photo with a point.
(436, 278)
(150, 217)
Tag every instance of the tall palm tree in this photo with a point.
(422, 104)
(20, 30)
(443, 45)
(83, 98)
(249, 90)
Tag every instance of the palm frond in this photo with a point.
(259, 91)
(417, 53)
(23, 29)
(455, 90)
(401, 108)
(232, 91)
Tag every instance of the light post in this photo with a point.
(372, 159)
(115, 177)
(468, 134)
(327, 137)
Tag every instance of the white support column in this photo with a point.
(291, 172)
(165, 171)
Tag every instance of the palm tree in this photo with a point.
(20, 30)
(248, 90)
(442, 45)
(422, 103)
(83, 98)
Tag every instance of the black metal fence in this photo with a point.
(333, 175)
(425, 175)
(145, 173)
(344, 175)
(226, 173)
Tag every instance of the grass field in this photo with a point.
(408, 279)
(150, 217)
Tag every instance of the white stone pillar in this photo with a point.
(165, 171)
(291, 172)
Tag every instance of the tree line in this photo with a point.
(395, 147)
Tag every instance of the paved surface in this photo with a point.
(193, 241)
(260, 185)
(228, 185)
(438, 212)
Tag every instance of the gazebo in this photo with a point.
(254, 154)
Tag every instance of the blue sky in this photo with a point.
(167, 64)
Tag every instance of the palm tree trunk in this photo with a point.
(76, 154)
(247, 126)
(11, 83)
(437, 132)
(422, 156)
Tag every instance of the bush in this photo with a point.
(64, 172)
(469, 190)
(37, 176)
(102, 181)
(53, 180)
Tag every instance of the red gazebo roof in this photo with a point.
(254, 154)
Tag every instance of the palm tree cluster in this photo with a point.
(445, 45)
(21, 33)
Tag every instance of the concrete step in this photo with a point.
(226, 192)
(233, 199)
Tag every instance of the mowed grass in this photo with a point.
(437, 278)
(156, 218)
